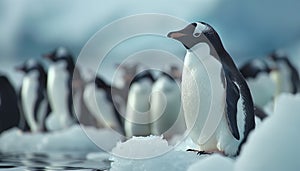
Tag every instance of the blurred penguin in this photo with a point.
(34, 100)
(59, 88)
(98, 99)
(9, 111)
(166, 111)
(120, 92)
(137, 120)
(81, 110)
(260, 78)
(288, 76)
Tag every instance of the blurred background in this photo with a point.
(248, 28)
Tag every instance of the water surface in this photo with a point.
(52, 161)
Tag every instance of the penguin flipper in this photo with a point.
(232, 97)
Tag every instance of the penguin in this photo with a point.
(166, 112)
(217, 102)
(82, 112)
(137, 119)
(59, 89)
(98, 99)
(120, 91)
(260, 75)
(33, 95)
(9, 110)
(253, 68)
(288, 79)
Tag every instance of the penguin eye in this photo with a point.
(196, 34)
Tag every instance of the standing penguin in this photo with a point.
(217, 102)
(137, 120)
(288, 79)
(253, 68)
(59, 89)
(260, 75)
(9, 111)
(166, 112)
(33, 96)
(98, 99)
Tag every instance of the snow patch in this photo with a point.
(146, 147)
(275, 144)
(215, 162)
(73, 139)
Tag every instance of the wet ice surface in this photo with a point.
(59, 150)
(54, 161)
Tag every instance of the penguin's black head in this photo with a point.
(277, 56)
(142, 75)
(193, 34)
(100, 83)
(60, 53)
(29, 66)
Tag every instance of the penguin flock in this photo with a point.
(269, 77)
(211, 99)
(59, 97)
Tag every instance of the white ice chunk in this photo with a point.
(137, 147)
(146, 147)
(275, 144)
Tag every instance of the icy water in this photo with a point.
(55, 161)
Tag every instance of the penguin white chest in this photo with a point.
(137, 120)
(203, 95)
(58, 88)
(102, 109)
(285, 82)
(29, 96)
(166, 113)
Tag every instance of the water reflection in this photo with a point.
(53, 161)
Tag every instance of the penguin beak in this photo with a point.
(176, 34)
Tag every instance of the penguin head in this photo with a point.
(62, 57)
(30, 65)
(146, 74)
(278, 56)
(100, 83)
(256, 66)
(59, 54)
(192, 34)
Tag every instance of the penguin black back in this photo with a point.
(9, 111)
(232, 73)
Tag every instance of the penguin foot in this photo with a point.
(199, 152)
